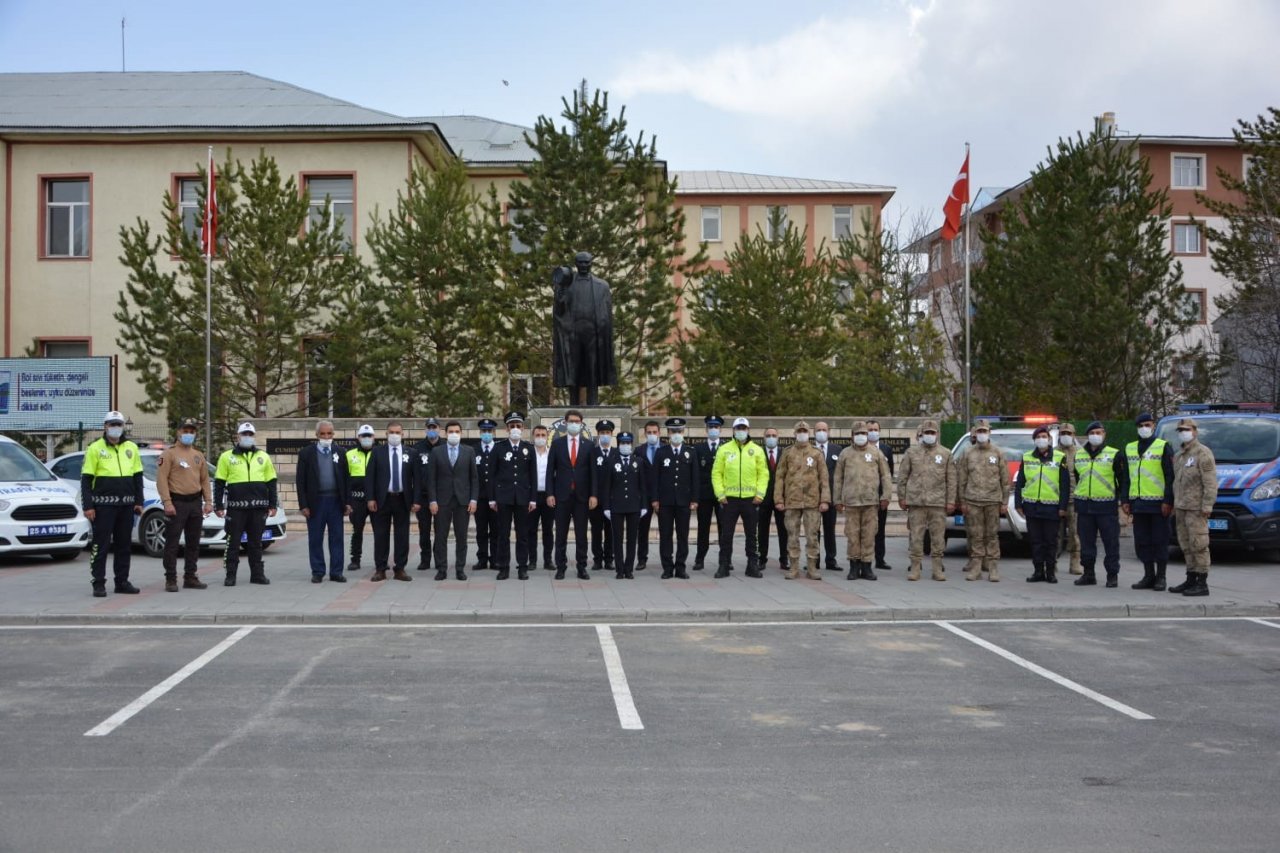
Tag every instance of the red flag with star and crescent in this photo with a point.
(955, 203)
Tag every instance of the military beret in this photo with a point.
(713, 420)
(675, 423)
(604, 426)
(487, 423)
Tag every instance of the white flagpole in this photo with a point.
(208, 310)
(968, 304)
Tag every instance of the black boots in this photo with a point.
(722, 572)
(1148, 577)
(126, 588)
(1184, 586)
(1088, 578)
(1050, 572)
(1037, 574)
(1159, 584)
(1197, 585)
(867, 574)
(861, 570)
(191, 581)
(171, 582)
(99, 589)
(855, 571)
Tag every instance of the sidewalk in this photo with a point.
(41, 592)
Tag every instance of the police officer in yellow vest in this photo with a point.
(1067, 444)
(111, 491)
(739, 478)
(1040, 494)
(1149, 500)
(357, 465)
(1101, 477)
(244, 491)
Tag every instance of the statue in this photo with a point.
(583, 340)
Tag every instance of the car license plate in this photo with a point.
(46, 529)
(266, 536)
(1217, 524)
(960, 520)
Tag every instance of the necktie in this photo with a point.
(453, 456)
(395, 470)
(772, 461)
(573, 453)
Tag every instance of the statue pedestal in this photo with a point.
(553, 418)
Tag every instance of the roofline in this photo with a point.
(427, 128)
(867, 190)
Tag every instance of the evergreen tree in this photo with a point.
(594, 188)
(1080, 304)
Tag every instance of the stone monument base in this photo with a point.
(552, 417)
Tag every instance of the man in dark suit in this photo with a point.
(673, 489)
(873, 437)
(322, 499)
(512, 473)
(543, 518)
(769, 512)
(647, 452)
(708, 506)
(569, 492)
(391, 491)
(601, 529)
(486, 518)
(452, 496)
(421, 474)
(830, 452)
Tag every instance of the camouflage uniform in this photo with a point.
(1195, 488)
(982, 487)
(862, 476)
(1071, 533)
(801, 485)
(926, 488)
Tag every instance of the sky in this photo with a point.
(878, 91)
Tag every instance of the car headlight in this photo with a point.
(1266, 491)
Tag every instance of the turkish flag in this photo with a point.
(955, 203)
(209, 231)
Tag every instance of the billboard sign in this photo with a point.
(48, 394)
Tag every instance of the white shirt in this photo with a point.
(542, 456)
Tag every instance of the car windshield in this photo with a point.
(19, 464)
(149, 461)
(1013, 445)
(1233, 440)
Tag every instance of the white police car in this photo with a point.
(1014, 442)
(39, 514)
(149, 530)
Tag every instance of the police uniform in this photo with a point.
(623, 498)
(245, 487)
(1195, 488)
(862, 479)
(708, 506)
(486, 517)
(739, 478)
(982, 488)
(802, 487)
(1149, 502)
(601, 529)
(1101, 476)
(1070, 532)
(513, 475)
(421, 474)
(182, 479)
(111, 486)
(926, 488)
(357, 466)
(1041, 494)
(675, 486)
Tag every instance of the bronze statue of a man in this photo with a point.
(583, 339)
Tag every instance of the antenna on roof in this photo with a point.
(122, 44)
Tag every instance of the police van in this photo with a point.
(39, 514)
(1245, 440)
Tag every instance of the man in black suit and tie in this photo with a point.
(708, 506)
(452, 496)
(486, 518)
(322, 499)
(768, 511)
(873, 437)
(512, 474)
(831, 453)
(569, 492)
(421, 472)
(647, 453)
(390, 489)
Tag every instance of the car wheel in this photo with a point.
(68, 554)
(151, 534)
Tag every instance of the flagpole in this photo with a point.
(968, 305)
(208, 309)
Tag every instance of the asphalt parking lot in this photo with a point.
(1128, 734)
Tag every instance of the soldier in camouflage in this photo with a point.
(982, 490)
(802, 491)
(862, 477)
(927, 491)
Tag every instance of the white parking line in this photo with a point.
(628, 716)
(1049, 674)
(1265, 622)
(122, 716)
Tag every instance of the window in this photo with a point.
(1188, 171)
(66, 218)
(775, 213)
(842, 215)
(189, 205)
(711, 224)
(1194, 306)
(1186, 238)
(328, 394)
(64, 349)
(513, 218)
(935, 257)
(340, 191)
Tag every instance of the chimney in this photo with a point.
(1105, 124)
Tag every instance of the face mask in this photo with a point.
(624, 449)
(515, 433)
(929, 438)
(606, 440)
(1145, 432)
(574, 428)
(486, 437)
(821, 436)
(1042, 443)
(393, 440)
(115, 432)
(1184, 435)
(433, 435)
(873, 436)
(651, 440)
(771, 442)
(740, 434)
(983, 437)
(246, 442)
(366, 442)
(713, 433)
(860, 439)
(677, 439)
(187, 438)
(325, 444)
(802, 438)
(1096, 439)
(454, 438)
(1066, 440)
(540, 441)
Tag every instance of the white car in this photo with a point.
(149, 530)
(1014, 442)
(39, 514)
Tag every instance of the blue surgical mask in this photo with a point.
(606, 440)
(115, 432)
(433, 434)
(366, 442)
(651, 440)
(246, 442)
(573, 427)
(771, 441)
(740, 434)
(713, 433)
(677, 439)
(624, 449)
(187, 438)
(486, 437)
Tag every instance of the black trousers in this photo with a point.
(1090, 525)
(601, 538)
(1043, 535)
(359, 515)
(543, 518)
(573, 509)
(453, 515)
(112, 533)
(880, 520)
(1151, 537)
(426, 522)
(730, 512)
(486, 534)
(829, 536)
(673, 522)
(186, 522)
(708, 509)
(393, 512)
(509, 515)
(642, 535)
(768, 512)
(625, 527)
(248, 523)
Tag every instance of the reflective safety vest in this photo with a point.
(1096, 474)
(1041, 477)
(1146, 471)
(358, 461)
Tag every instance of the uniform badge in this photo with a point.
(599, 460)
(666, 463)
(938, 459)
(809, 461)
(524, 451)
(1190, 462)
(422, 457)
(617, 467)
(508, 456)
(103, 454)
(729, 457)
(128, 454)
(686, 455)
(991, 459)
(866, 456)
(182, 463)
(262, 460)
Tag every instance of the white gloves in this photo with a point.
(608, 513)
